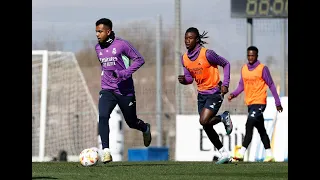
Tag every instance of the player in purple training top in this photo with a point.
(117, 85)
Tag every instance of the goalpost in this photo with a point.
(44, 57)
(64, 116)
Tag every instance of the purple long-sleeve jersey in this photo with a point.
(116, 58)
(214, 59)
(266, 76)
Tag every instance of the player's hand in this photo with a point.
(230, 97)
(115, 78)
(182, 79)
(279, 108)
(121, 74)
(114, 74)
(224, 90)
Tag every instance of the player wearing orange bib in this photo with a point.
(201, 65)
(254, 81)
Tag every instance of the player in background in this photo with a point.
(117, 85)
(254, 80)
(201, 64)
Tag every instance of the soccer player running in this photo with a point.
(201, 64)
(117, 85)
(255, 78)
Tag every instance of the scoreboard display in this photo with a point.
(259, 8)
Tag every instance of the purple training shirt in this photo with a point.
(213, 58)
(266, 76)
(116, 58)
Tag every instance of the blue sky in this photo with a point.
(71, 20)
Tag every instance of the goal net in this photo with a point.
(64, 116)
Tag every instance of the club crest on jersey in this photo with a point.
(114, 51)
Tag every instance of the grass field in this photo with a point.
(160, 171)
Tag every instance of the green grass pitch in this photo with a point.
(160, 170)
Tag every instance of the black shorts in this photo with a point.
(255, 111)
(210, 101)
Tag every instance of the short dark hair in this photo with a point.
(104, 21)
(253, 48)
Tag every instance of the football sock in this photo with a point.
(213, 136)
(223, 151)
(268, 152)
(242, 150)
(104, 131)
(142, 126)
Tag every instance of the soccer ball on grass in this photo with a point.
(89, 157)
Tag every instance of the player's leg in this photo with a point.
(224, 117)
(207, 112)
(250, 124)
(107, 102)
(263, 135)
(246, 141)
(128, 108)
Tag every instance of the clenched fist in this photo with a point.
(181, 79)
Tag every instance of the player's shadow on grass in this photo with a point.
(42, 177)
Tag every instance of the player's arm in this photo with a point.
(101, 67)
(132, 54)
(239, 89)
(266, 76)
(214, 58)
(186, 78)
(97, 53)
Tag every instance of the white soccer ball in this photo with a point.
(89, 157)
